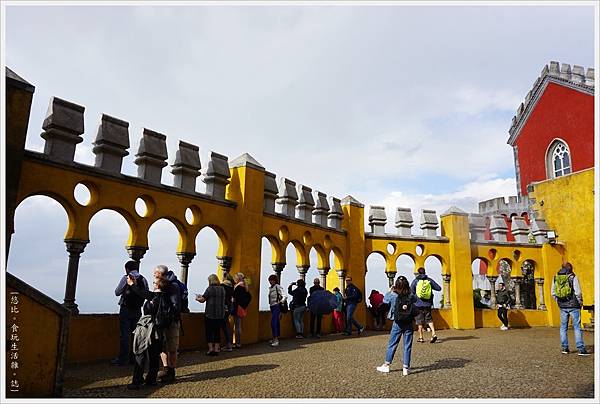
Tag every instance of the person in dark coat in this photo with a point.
(315, 332)
(130, 310)
(298, 305)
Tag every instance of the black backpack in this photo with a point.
(401, 314)
(183, 292)
(165, 312)
(359, 296)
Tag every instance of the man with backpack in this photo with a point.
(353, 296)
(130, 310)
(422, 287)
(567, 293)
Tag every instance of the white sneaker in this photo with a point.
(404, 371)
(275, 343)
(385, 368)
(503, 328)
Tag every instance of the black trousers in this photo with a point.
(503, 315)
(127, 321)
(153, 356)
(314, 317)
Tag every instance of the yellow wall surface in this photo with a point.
(38, 355)
(567, 205)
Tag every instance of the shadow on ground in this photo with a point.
(447, 363)
(120, 390)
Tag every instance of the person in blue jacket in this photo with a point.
(422, 287)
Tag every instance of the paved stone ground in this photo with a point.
(482, 363)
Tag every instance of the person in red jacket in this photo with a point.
(376, 300)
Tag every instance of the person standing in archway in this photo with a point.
(130, 310)
(315, 332)
(422, 287)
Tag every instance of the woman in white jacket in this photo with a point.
(276, 296)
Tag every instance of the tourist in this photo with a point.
(352, 296)
(315, 326)
(503, 303)
(214, 297)
(130, 310)
(422, 287)
(338, 312)
(566, 290)
(147, 340)
(376, 300)
(227, 284)
(298, 305)
(241, 299)
(402, 311)
(171, 333)
(276, 296)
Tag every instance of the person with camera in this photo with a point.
(298, 305)
(276, 296)
(130, 310)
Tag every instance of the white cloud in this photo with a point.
(466, 198)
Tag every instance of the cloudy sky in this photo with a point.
(395, 105)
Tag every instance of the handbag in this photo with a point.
(241, 312)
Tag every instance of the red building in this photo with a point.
(553, 132)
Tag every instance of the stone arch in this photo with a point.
(338, 259)
(434, 268)
(129, 219)
(528, 298)
(223, 249)
(405, 265)
(181, 230)
(102, 263)
(276, 251)
(480, 269)
(67, 207)
(322, 257)
(375, 277)
(41, 221)
(162, 247)
(301, 253)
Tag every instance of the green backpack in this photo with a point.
(424, 289)
(562, 286)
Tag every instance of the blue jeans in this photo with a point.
(299, 319)
(275, 329)
(395, 334)
(127, 322)
(575, 314)
(350, 318)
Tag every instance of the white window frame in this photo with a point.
(550, 171)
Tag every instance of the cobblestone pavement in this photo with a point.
(482, 363)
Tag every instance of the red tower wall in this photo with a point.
(563, 113)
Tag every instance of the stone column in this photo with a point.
(518, 281)
(185, 259)
(278, 267)
(302, 270)
(446, 278)
(225, 264)
(390, 276)
(74, 248)
(492, 280)
(541, 301)
(342, 276)
(323, 272)
(136, 253)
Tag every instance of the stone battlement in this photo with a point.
(64, 126)
(575, 77)
(499, 206)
